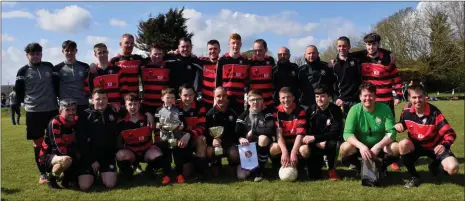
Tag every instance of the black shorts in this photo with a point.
(421, 151)
(37, 122)
(105, 166)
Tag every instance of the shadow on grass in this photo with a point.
(10, 191)
(426, 161)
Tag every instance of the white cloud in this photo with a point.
(297, 45)
(12, 60)
(17, 14)
(7, 38)
(10, 4)
(70, 19)
(43, 42)
(92, 40)
(116, 23)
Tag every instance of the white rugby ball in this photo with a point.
(288, 173)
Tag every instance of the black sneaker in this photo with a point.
(413, 182)
(52, 182)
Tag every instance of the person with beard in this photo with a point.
(429, 134)
(155, 74)
(232, 73)
(257, 125)
(37, 86)
(315, 72)
(348, 76)
(285, 74)
(129, 65)
(97, 136)
(186, 67)
(59, 154)
(222, 114)
(209, 73)
(261, 71)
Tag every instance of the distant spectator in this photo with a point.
(3, 99)
(14, 108)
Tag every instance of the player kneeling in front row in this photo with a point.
(59, 154)
(291, 122)
(369, 132)
(429, 134)
(257, 125)
(173, 140)
(221, 119)
(135, 142)
(195, 121)
(97, 135)
(325, 134)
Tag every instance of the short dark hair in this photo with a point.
(372, 38)
(156, 46)
(168, 91)
(345, 39)
(99, 45)
(127, 35)
(321, 89)
(263, 42)
(68, 44)
(416, 87)
(33, 47)
(185, 39)
(285, 90)
(186, 86)
(98, 91)
(256, 92)
(368, 86)
(131, 97)
(213, 42)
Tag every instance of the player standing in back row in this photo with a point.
(209, 73)
(261, 71)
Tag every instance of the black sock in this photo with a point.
(331, 153)
(178, 160)
(201, 164)
(275, 161)
(36, 157)
(409, 161)
(353, 159)
(262, 158)
(125, 167)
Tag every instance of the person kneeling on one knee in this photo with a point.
(291, 122)
(369, 131)
(257, 125)
(429, 134)
(62, 159)
(324, 135)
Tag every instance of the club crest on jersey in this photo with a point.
(323, 72)
(261, 123)
(112, 166)
(424, 120)
(47, 74)
(141, 124)
(352, 63)
(240, 61)
(292, 73)
(81, 73)
(231, 118)
(189, 67)
(267, 62)
(111, 117)
(376, 72)
(328, 122)
(379, 61)
(378, 120)
(110, 71)
(192, 113)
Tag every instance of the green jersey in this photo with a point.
(370, 127)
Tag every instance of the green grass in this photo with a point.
(19, 178)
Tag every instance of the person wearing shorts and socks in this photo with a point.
(222, 115)
(59, 153)
(14, 108)
(97, 142)
(429, 134)
(37, 86)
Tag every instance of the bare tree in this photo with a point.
(299, 60)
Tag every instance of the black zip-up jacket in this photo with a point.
(325, 124)
(185, 70)
(262, 123)
(227, 120)
(311, 75)
(348, 79)
(97, 135)
(285, 75)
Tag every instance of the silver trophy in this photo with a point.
(216, 133)
(170, 125)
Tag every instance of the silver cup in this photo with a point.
(216, 133)
(170, 126)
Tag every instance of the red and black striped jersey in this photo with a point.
(381, 72)
(129, 70)
(107, 79)
(430, 130)
(194, 119)
(261, 77)
(154, 79)
(292, 124)
(208, 80)
(59, 139)
(135, 136)
(233, 75)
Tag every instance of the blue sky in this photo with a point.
(291, 24)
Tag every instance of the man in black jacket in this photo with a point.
(348, 76)
(285, 74)
(312, 74)
(257, 125)
(325, 119)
